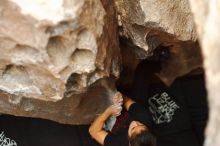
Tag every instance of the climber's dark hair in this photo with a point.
(143, 138)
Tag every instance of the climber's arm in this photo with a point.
(96, 129)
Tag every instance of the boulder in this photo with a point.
(58, 59)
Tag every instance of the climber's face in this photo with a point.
(136, 127)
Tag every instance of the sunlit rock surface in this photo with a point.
(57, 57)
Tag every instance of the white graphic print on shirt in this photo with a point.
(5, 141)
(162, 108)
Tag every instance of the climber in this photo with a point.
(179, 112)
(176, 115)
(137, 134)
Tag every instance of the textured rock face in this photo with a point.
(53, 54)
(173, 17)
(207, 18)
(150, 24)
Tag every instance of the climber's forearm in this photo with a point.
(96, 129)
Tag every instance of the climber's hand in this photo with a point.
(114, 110)
(117, 99)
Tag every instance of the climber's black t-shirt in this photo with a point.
(171, 120)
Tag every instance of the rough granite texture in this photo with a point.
(53, 54)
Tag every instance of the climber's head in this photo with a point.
(139, 135)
